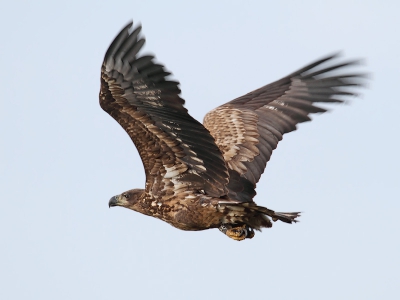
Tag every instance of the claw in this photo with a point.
(250, 233)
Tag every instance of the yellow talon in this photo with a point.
(240, 233)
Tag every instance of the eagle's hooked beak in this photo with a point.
(113, 201)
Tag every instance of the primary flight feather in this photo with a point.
(204, 176)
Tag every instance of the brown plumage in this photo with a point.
(200, 177)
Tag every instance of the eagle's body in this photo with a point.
(204, 176)
(195, 211)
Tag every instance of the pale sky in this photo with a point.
(63, 157)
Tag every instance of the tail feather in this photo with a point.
(282, 216)
(286, 217)
(254, 216)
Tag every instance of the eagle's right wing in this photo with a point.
(177, 152)
(249, 128)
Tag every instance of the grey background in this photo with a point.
(62, 157)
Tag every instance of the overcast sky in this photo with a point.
(63, 157)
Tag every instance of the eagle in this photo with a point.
(203, 176)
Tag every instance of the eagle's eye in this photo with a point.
(126, 195)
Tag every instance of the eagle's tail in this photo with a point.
(282, 216)
(243, 218)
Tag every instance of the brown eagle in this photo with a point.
(202, 176)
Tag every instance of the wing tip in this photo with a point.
(125, 32)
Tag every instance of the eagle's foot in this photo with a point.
(238, 233)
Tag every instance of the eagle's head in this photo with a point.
(127, 199)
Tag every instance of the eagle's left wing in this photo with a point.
(176, 150)
(248, 129)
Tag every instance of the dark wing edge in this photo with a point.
(249, 128)
(176, 150)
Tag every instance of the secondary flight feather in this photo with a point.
(204, 176)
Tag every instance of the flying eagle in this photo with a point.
(202, 176)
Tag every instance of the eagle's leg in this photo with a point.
(237, 233)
